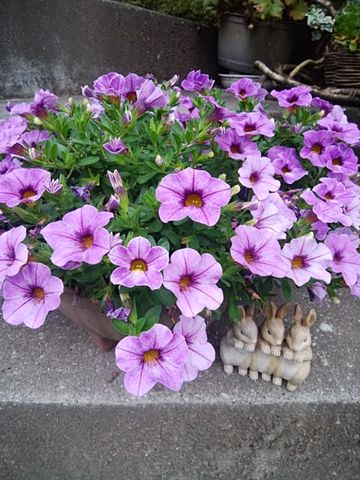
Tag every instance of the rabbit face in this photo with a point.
(272, 331)
(298, 338)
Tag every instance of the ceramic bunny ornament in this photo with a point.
(272, 330)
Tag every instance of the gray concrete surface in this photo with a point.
(65, 415)
(64, 44)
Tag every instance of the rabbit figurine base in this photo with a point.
(265, 352)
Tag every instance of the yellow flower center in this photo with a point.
(138, 265)
(28, 193)
(88, 241)
(316, 148)
(297, 262)
(249, 257)
(185, 282)
(38, 293)
(193, 200)
(151, 356)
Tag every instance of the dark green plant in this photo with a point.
(347, 25)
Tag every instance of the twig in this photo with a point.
(304, 64)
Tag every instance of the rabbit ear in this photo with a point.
(242, 312)
(249, 310)
(283, 311)
(270, 310)
(298, 314)
(310, 319)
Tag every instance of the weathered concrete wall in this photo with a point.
(63, 44)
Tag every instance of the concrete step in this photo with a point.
(65, 415)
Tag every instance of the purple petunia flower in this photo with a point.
(194, 194)
(109, 85)
(155, 356)
(201, 352)
(83, 192)
(322, 104)
(15, 124)
(23, 185)
(257, 173)
(353, 236)
(317, 292)
(30, 295)
(54, 186)
(95, 108)
(139, 264)
(345, 258)
(197, 82)
(260, 253)
(245, 88)
(44, 102)
(13, 253)
(286, 163)
(273, 215)
(293, 97)
(29, 140)
(219, 113)
(337, 123)
(192, 278)
(307, 259)
(238, 147)
(22, 109)
(133, 84)
(315, 143)
(79, 237)
(332, 191)
(185, 110)
(120, 313)
(9, 164)
(253, 123)
(115, 146)
(150, 96)
(341, 159)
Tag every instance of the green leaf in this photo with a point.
(286, 289)
(144, 178)
(151, 317)
(234, 312)
(88, 161)
(121, 327)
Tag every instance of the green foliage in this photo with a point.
(347, 25)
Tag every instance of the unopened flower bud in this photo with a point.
(127, 117)
(33, 153)
(116, 182)
(159, 161)
(235, 190)
(37, 121)
(223, 177)
(336, 300)
(113, 203)
(71, 101)
(125, 300)
(210, 154)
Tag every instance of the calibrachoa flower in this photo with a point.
(79, 236)
(13, 253)
(341, 159)
(185, 110)
(257, 173)
(253, 123)
(83, 192)
(30, 295)
(197, 82)
(150, 96)
(9, 164)
(273, 215)
(133, 83)
(317, 292)
(245, 88)
(54, 186)
(201, 352)
(194, 194)
(23, 185)
(260, 253)
(315, 143)
(192, 278)
(44, 102)
(345, 258)
(286, 163)
(29, 140)
(307, 259)
(293, 97)
(337, 123)
(322, 104)
(155, 356)
(115, 146)
(109, 85)
(139, 264)
(237, 147)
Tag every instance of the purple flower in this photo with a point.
(133, 83)
(54, 186)
(257, 173)
(322, 104)
(197, 82)
(115, 146)
(294, 97)
(155, 356)
(9, 164)
(201, 352)
(194, 194)
(116, 182)
(150, 96)
(332, 191)
(113, 203)
(341, 159)
(139, 264)
(307, 259)
(353, 236)
(44, 102)
(109, 85)
(95, 108)
(345, 258)
(245, 88)
(260, 253)
(13, 253)
(10, 131)
(120, 313)
(29, 140)
(192, 278)
(286, 163)
(315, 143)
(18, 109)
(79, 236)
(185, 110)
(273, 215)
(253, 123)
(337, 123)
(238, 147)
(23, 185)
(30, 295)
(317, 292)
(83, 192)
(219, 113)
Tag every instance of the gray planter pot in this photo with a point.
(278, 42)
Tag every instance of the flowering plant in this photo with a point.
(148, 197)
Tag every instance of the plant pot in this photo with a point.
(341, 67)
(278, 42)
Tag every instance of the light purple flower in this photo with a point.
(260, 253)
(115, 146)
(9, 164)
(341, 159)
(353, 236)
(219, 113)
(30, 295)
(44, 102)
(150, 96)
(23, 185)
(113, 203)
(197, 82)
(307, 259)
(15, 124)
(273, 215)
(332, 191)
(245, 88)
(192, 278)
(120, 313)
(155, 356)
(185, 110)
(337, 123)
(109, 85)
(253, 123)
(79, 236)
(22, 109)
(13, 253)
(257, 173)
(293, 97)
(29, 140)
(54, 186)
(201, 352)
(346, 259)
(286, 163)
(133, 84)
(315, 143)
(355, 289)
(317, 292)
(95, 108)
(322, 104)
(83, 192)
(139, 264)
(194, 194)
(237, 147)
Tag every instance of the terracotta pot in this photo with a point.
(89, 316)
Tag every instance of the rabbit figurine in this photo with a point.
(238, 343)
(272, 330)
